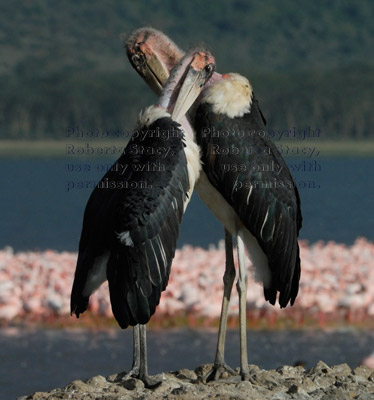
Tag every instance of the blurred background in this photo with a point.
(63, 64)
(65, 80)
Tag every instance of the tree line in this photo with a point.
(337, 102)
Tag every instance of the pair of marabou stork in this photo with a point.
(129, 235)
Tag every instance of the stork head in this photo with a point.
(153, 55)
(186, 82)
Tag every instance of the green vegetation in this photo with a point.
(63, 65)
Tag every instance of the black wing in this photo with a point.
(246, 167)
(137, 217)
(96, 236)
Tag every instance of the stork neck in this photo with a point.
(187, 128)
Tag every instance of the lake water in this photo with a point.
(42, 202)
(40, 360)
(42, 207)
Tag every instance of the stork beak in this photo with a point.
(149, 66)
(191, 88)
(155, 73)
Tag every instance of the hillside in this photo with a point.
(63, 64)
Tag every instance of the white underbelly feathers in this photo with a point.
(226, 214)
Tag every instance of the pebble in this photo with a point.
(282, 384)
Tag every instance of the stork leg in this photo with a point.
(139, 368)
(242, 291)
(134, 372)
(148, 381)
(228, 281)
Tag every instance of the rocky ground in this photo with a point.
(339, 382)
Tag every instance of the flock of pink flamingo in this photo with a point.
(337, 280)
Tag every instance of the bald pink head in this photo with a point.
(186, 81)
(153, 55)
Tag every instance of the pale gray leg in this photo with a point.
(242, 290)
(140, 363)
(143, 369)
(228, 281)
(134, 372)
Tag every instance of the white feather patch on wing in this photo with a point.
(124, 238)
(155, 282)
(162, 250)
(249, 194)
(264, 224)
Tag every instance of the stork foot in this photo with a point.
(149, 381)
(219, 371)
(133, 373)
(244, 375)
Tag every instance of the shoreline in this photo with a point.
(57, 148)
(275, 322)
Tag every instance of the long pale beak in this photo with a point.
(192, 86)
(151, 69)
(155, 74)
(148, 64)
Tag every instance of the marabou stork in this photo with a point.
(245, 182)
(131, 221)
